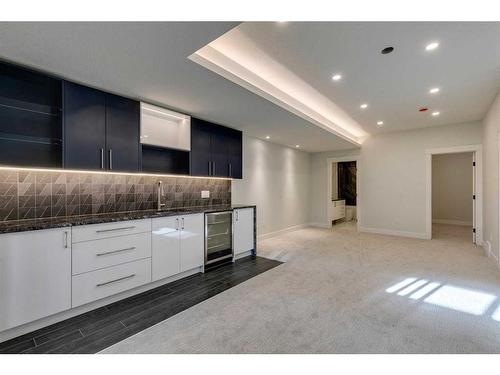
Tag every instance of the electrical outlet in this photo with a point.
(205, 193)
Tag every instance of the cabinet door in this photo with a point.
(35, 275)
(84, 127)
(201, 160)
(243, 230)
(235, 154)
(219, 151)
(192, 241)
(166, 247)
(122, 134)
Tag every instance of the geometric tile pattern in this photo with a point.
(34, 194)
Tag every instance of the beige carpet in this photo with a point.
(331, 297)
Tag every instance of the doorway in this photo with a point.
(342, 205)
(454, 193)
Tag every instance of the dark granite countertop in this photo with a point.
(12, 226)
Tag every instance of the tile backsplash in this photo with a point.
(40, 194)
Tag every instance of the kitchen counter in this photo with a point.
(68, 221)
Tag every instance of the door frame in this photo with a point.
(477, 151)
(328, 201)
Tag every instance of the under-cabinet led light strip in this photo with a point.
(113, 173)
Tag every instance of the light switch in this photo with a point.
(205, 193)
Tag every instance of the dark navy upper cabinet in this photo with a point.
(101, 131)
(235, 154)
(215, 150)
(84, 127)
(200, 155)
(30, 118)
(122, 134)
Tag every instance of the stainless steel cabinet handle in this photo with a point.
(209, 168)
(65, 240)
(102, 158)
(110, 159)
(177, 221)
(182, 224)
(237, 216)
(115, 251)
(113, 229)
(213, 168)
(230, 170)
(116, 280)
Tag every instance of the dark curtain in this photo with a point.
(347, 182)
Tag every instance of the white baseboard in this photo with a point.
(452, 222)
(281, 231)
(397, 233)
(320, 225)
(487, 248)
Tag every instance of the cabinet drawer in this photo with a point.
(98, 231)
(97, 254)
(95, 285)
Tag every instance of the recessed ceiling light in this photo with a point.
(380, 123)
(363, 106)
(387, 50)
(337, 77)
(267, 137)
(297, 146)
(431, 46)
(434, 90)
(436, 113)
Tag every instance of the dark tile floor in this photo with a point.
(105, 326)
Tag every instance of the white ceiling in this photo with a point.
(466, 67)
(148, 61)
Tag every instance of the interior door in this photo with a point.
(166, 247)
(474, 197)
(122, 134)
(192, 241)
(84, 127)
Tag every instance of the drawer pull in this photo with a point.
(113, 229)
(114, 281)
(115, 251)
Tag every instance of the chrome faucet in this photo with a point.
(160, 193)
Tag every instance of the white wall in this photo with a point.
(276, 179)
(392, 173)
(452, 188)
(491, 128)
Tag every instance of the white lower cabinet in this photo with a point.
(338, 209)
(192, 242)
(165, 247)
(44, 272)
(93, 255)
(35, 275)
(243, 230)
(178, 244)
(91, 286)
